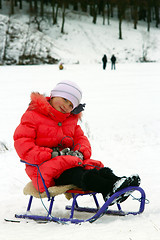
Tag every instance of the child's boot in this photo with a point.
(124, 182)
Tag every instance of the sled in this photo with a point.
(71, 191)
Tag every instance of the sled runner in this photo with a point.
(72, 191)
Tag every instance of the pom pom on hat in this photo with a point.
(69, 90)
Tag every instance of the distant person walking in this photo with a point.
(113, 62)
(104, 60)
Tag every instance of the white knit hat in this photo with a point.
(69, 90)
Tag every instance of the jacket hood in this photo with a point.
(40, 103)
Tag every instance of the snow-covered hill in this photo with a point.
(83, 42)
(122, 121)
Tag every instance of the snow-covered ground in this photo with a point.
(122, 121)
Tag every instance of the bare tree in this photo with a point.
(42, 8)
(5, 45)
(102, 9)
(12, 7)
(156, 5)
(55, 7)
(35, 6)
(84, 5)
(149, 3)
(38, 21)
(63, 15)
(53, 11)
(94, 11)
(30, 6)
(20, 4)
(135, 12)
(108, 11)
(122, 5)
(75, 5)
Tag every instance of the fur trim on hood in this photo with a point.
(40, 103)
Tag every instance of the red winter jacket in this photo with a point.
(42, 128)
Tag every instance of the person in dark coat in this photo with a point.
(104, 60)
(113, 62)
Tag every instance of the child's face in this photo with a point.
(61, 104)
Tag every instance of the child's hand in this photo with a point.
(79, 154)
(56, 152)
(76, 154)
(66, 151)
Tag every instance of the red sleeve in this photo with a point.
(82, 143)
(24, 141)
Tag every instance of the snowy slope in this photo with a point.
(125, 136)
(82, 43)
(86, 43)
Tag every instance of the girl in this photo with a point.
(48, 135)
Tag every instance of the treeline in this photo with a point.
(131, 10)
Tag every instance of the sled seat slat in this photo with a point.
(78, 191)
